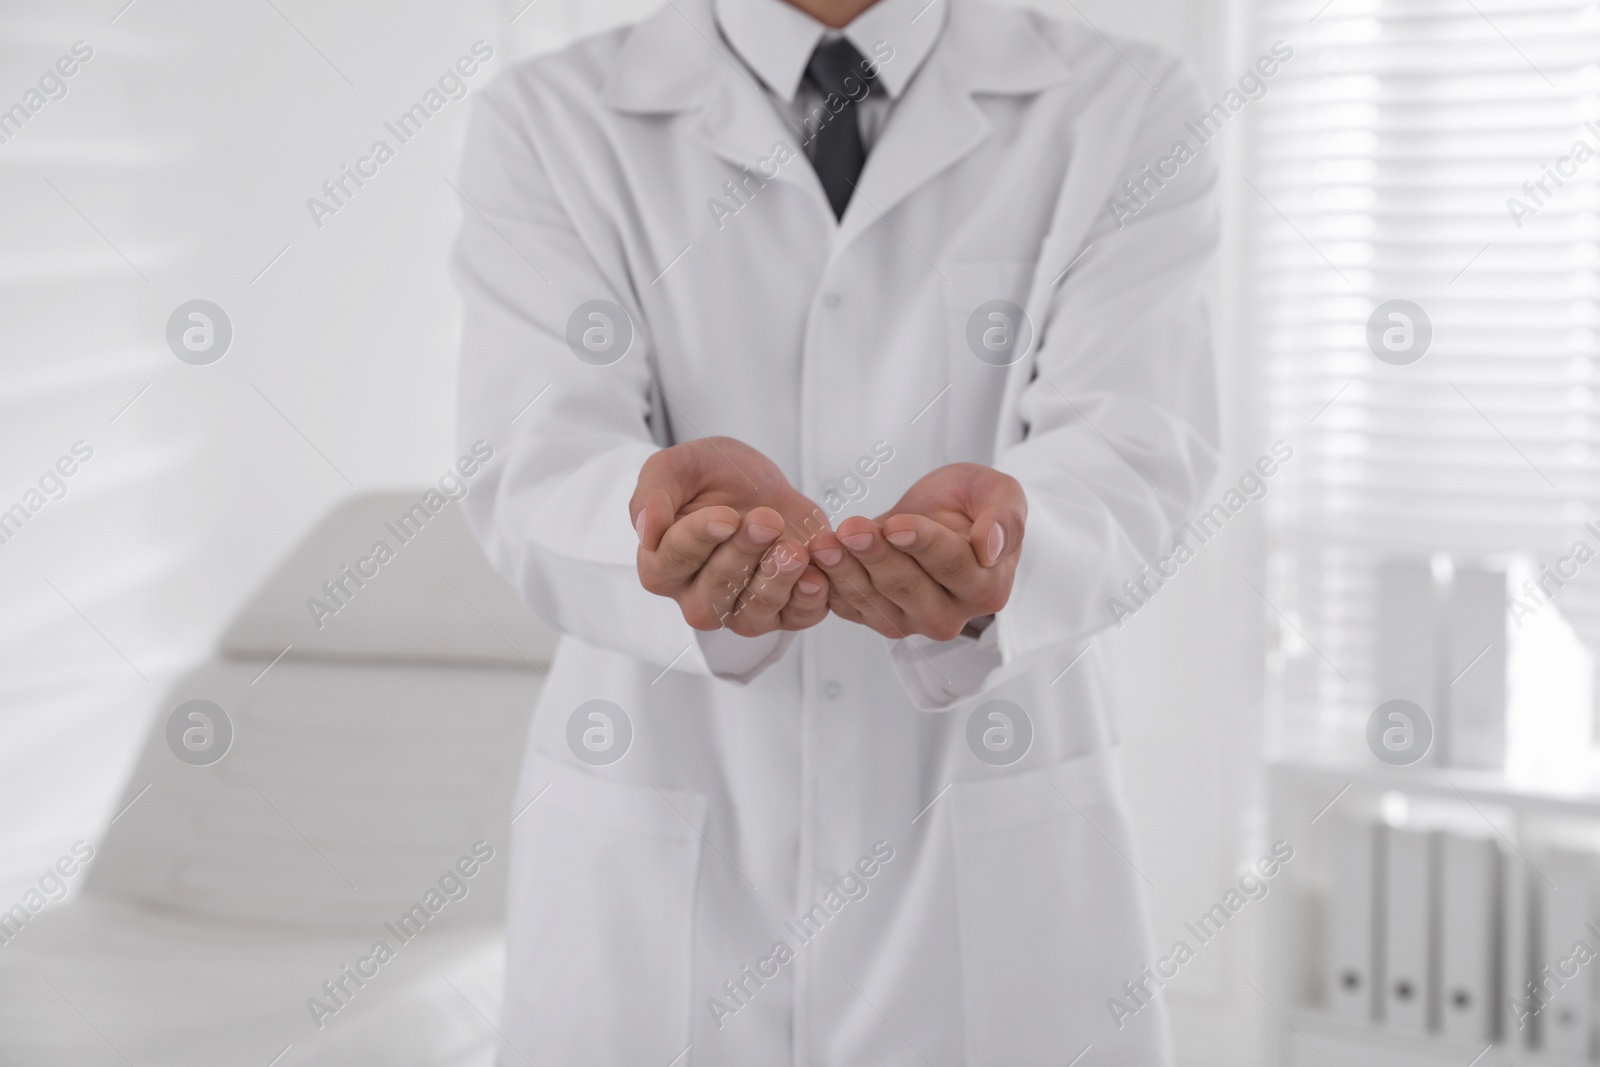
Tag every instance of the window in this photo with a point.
(1445, 153)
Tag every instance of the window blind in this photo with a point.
(1444, 153)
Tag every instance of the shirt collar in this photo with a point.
(775, 39)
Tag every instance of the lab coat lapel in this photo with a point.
(937, 122)
(676, 63)
(739, 123)
(933, 126)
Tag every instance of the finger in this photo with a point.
(894, 574)
(843, 608)
(666, 481)
(652, 514)
(851, 594)
(803, 519)
(763, 599)
(733, 564)
(808, 605)
(944, 555)
(684, 548)
(1000, 513)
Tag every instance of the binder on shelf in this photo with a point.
(1474, 732)
(1408, 935)
(1407, 634)
(1351, 934)
(1563, 985)
(1469, 937)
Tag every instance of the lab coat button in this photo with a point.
(832, 690)
(831, 300)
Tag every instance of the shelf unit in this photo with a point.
(1303, 795)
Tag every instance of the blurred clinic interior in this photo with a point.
(1355, 698)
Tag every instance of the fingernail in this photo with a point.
(902, 539)
(858, 542)
(808, 587)
(828, 557)
(638, 527)
(997, 541)
(720, 530)
(789, 562)
(763, 535)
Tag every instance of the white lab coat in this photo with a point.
(760, 771)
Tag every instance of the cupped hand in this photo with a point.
(723, 533)
(945, 554)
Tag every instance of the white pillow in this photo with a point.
(434, 598)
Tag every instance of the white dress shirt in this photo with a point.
(775, 40)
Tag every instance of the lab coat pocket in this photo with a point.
(986, 332)
(600, 922)
(1051, 918)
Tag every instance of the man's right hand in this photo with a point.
(723, 533)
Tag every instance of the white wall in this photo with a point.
(191, 142)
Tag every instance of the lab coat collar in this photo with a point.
(1000, 50)
(677, 58)
(985, 50)
(663, 65)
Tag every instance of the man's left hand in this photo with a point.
(945, 554)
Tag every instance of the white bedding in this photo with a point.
(93, 981)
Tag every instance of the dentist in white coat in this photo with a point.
(830, 404)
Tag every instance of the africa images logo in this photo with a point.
(199, 732)
(1399, 732)
(599, 732)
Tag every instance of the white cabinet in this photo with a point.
(1474, 892)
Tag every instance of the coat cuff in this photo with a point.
(740, 659)
(939, 674)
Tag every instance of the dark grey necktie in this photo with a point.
(837, 69)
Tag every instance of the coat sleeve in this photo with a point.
(568, 434)
(1121, 429)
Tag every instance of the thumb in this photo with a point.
(1000, 514)
(653, 512)
(663, 488)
